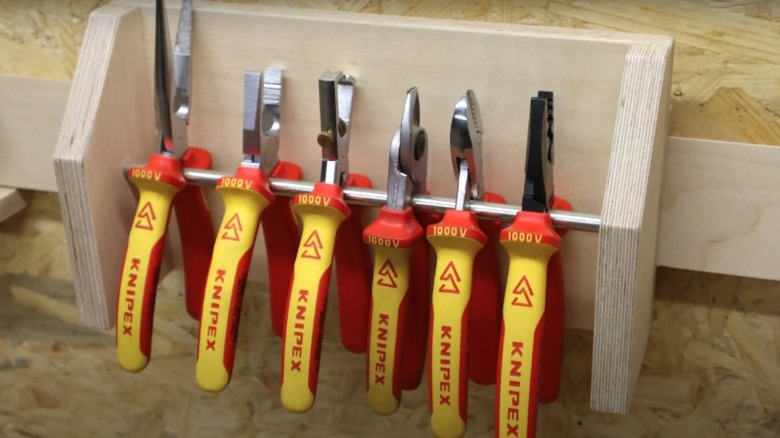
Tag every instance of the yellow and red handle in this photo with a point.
(394, 235)
(157, 183)
(320, 212)
(530, 242)
(485, 306)
(552, 348)
(353, 275)
(196, 232)
(456, 240)
(281, 236)
(245, 195)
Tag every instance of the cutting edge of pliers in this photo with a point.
(262, 118)
(173, 83)
(466, 149)
(538, 189)
(408, 164)
(336, 92)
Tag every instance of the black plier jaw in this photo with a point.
(538, 190)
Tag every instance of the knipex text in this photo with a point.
(513, 389)
(381, 349)
(216, 303)
(383, 242)
(440, 230)
(524, 237)
(298, 334)
(132, 282)
(146, 174)
(236, 182)
(314, 199)
(445, 364)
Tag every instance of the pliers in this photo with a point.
(401, 285)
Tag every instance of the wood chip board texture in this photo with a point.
(611, 89)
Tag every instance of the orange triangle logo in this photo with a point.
(312, 246)
(450, 279)
(232, 228)
(522, 293)
(387, 275)
(145, 217)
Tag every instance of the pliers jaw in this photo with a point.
(408, 170)
(538, 191)
(336, 93)
(173, 83)
(466, 149)
(262, 119)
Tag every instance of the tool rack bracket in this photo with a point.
(611, 110)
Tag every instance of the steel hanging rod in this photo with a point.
(376, 198)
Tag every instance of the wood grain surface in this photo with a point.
(711, 367)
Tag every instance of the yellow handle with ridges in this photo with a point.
(138, 281)
(225, 282)
(306, 303)
(524, 302)
(389, 287)
(451, 293)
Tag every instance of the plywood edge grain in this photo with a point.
(83, 132)
(30, 116)
(720, 208)
(626, 265)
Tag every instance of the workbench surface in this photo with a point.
(712, 366)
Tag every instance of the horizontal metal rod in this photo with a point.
(377, 198)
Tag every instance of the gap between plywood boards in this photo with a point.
(719, 202)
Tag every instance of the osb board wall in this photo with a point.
(713, 360)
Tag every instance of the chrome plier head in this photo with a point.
(173, 103)
(336, 93)
(408, 170)
(466, 149)
(262, 119)
(538, 190)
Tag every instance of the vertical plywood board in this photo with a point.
(30, 117)
(598, 78)
(626, 279)
(106, 120)
(720, 208)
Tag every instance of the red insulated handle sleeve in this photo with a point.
(281, 237)
(552, 348)
(485, 306)
(353, 275)
(196, 230)
(418, 308)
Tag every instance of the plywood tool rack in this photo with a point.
(611, 109)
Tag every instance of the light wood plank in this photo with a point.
(11, 202)
(30, 117)
(720, 208)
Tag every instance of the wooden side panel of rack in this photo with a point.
(611, 109)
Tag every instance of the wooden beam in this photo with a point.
(720, 208)
(30, 117)
(11, 202)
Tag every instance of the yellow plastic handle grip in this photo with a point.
(245, 199)
(389, 287)
(530, 242)
(456, 240)
(320, 216)
(141, 266)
